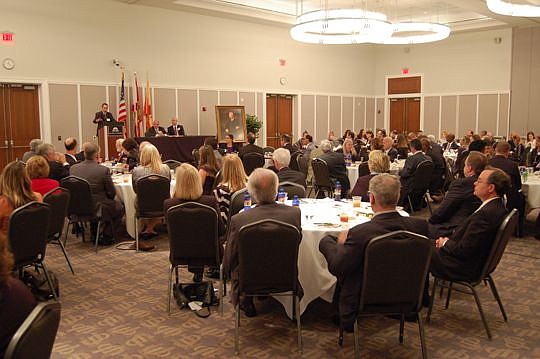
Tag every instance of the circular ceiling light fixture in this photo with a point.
(416, 33)
(341, 26)
(509, 9)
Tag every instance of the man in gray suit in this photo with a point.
(263, 187)
(102, 188)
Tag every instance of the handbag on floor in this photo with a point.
(37, 282)
(195, 292)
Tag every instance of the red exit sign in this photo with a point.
(7, 37)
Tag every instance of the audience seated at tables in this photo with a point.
(517, 149)
(534, 156)
(345, 254)
(188, 188)
(388, 147)
(58, 166)
(286, 143)
(233, 179)
(349, 152)
(16, 300)
(212, 142)
(476, 145)
(450, 143)
(263, 187)
(130, 152)
(459, 202)
(434, 152)
(207, 168)
(336, 166)
(34, 144)
(250, 147)
(155, 130)
(38, 170)
(282, 159)
(409, 169)
(402, 146)
(462, 255)
(299, 145)
(15, 191)
(150, 164)
(103, 191)
(378, 163)
(308, 146)
(72, 156)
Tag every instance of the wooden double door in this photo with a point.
(279, 114)
(19, 120)
(405, 114)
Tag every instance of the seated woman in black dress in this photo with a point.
(378, 162)
(131, 153)
(402, 147)
(207, 168)
(229, 146)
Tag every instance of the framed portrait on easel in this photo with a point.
(231, 120)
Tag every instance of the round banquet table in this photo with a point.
(396, 166)
(531, 190)
(321, 217)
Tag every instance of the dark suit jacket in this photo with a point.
(514, 196)
(287, 174)
(458, 204)
(290, 147)
(464, 254)
(346, 261)
(450, 146)
(57, 170)
(337, 169)
(407, 173)
(180, 130)
(249, 148)
(275, 211)
(534, 158)
(101, 118)
(362, 186)
(392, 153)
(439, 168)
(210, 201)
(72, 159)
(403, 153)
(151, 132)
(98, 176)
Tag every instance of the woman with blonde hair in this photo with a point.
(15, 191)
(348, 150)
(188, 188)
(38, 170)
(378, 162)
(150, 164)
(234, 178)
(207, 168)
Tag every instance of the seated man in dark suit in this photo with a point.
(175, 129)
(345, 254)
(58, 166)
(282, 158)
(155, 130)
(336, 166)
(286, 143)
(388, 146)
(72, 156)
(462, 255)
(450, 143)
(250, 147)
(439, 165)
(102, 188)
(409, 169)
(460, 201)
(263, 186)
(534, 155)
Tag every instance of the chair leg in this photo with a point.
(49, 282)
(447, 304)
(97, 234)
(169, 290)
(422, 336)
(356, 341)
(411, 208)
(497, 297)
(67, 231)
(426, 198)
(298, 323)
(221, 289)
(477, 299)
(431, 299)
(136, 234)
(236, 328)
(65, 255)
(401, 325)
(340, 336)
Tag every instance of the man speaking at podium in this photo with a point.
(102, 117)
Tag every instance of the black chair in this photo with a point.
(303, 164)
(58, 201)
(28, 228)
(267, 262)
(193, 240)
(196, 156)
(269, 149)
(172, 164)
(395, 268)
(322, 178)
(293, 189)
(217, 179)
(252, 160)
(152, 191)
(293, 164)
(363, 170)
(35, 337)
(467, 286)
(82, 207)
(420, 185)
(237, 203)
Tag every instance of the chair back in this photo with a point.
(507, 227)
(81, 202)
(58, 201)
(268, 257)
(172, 164)
(237, 203)
(321, 173)
(363, 170)
(252, 160)
(28, 229)
(35, 337)
(193, 234)
(293, 189)
(395, 269)
(294, 160)
(269, 149)
(196, 156)
(217, 179)
(303, 164)
(422, 176)
(152, 190)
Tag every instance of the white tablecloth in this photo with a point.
(531, 190)
(352, 173)
(395, 167)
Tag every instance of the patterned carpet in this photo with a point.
(115, 307)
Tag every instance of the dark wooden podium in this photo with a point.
(108, 134)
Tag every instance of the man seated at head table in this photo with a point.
(462, 255)
(155, 130)
(263, 187)
(175, 129)
(345, 254)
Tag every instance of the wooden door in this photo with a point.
(405, 114)
(397, 111)
(279, 110)
(4, 142)
(413, 114)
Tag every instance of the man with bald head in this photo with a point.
(72, 156)
(388, 147)
(263, 187)
(155, 130)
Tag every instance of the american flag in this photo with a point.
(122, 113)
